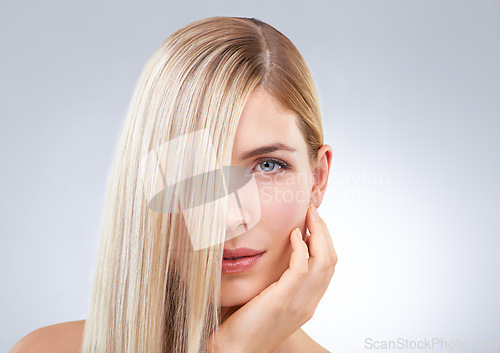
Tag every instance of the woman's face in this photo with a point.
(283, 187)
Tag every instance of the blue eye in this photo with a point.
(270, 165)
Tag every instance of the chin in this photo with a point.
(238, 291)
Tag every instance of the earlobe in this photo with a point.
(315, 192)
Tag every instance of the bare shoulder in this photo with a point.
(65, 337)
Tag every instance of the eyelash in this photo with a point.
(284, 165)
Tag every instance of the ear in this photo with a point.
(320, 174)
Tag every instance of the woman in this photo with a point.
(215, 182)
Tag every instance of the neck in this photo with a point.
(227, 311)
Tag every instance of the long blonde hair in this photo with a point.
(154, 291)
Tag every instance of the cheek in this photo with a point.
(284, 204)
(284, 208)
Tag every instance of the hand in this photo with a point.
(282, 308)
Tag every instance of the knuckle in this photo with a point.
(331, 272)
(325, 267)
(311, 313)
(308, 315)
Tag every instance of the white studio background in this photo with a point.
(410, 101)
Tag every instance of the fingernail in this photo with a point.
(315, 212)
(299, 233)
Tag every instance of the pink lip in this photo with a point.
(241, 264)
(238, 252)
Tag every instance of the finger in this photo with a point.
(306, 238)
(331, 248)
(320, 264)
(297, 270)
(321, 251)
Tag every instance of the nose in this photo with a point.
(237, 218)
(243, 204)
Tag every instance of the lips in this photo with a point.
(240, 260)
(231, 254)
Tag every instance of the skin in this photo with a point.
(65, 337)
(290, 266)
(262, 308)
(284, 196)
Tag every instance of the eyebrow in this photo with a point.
(267, 149)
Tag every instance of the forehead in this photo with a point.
(264, 121)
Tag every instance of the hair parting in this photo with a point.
(153, 290)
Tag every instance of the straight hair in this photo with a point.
(154, 291)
